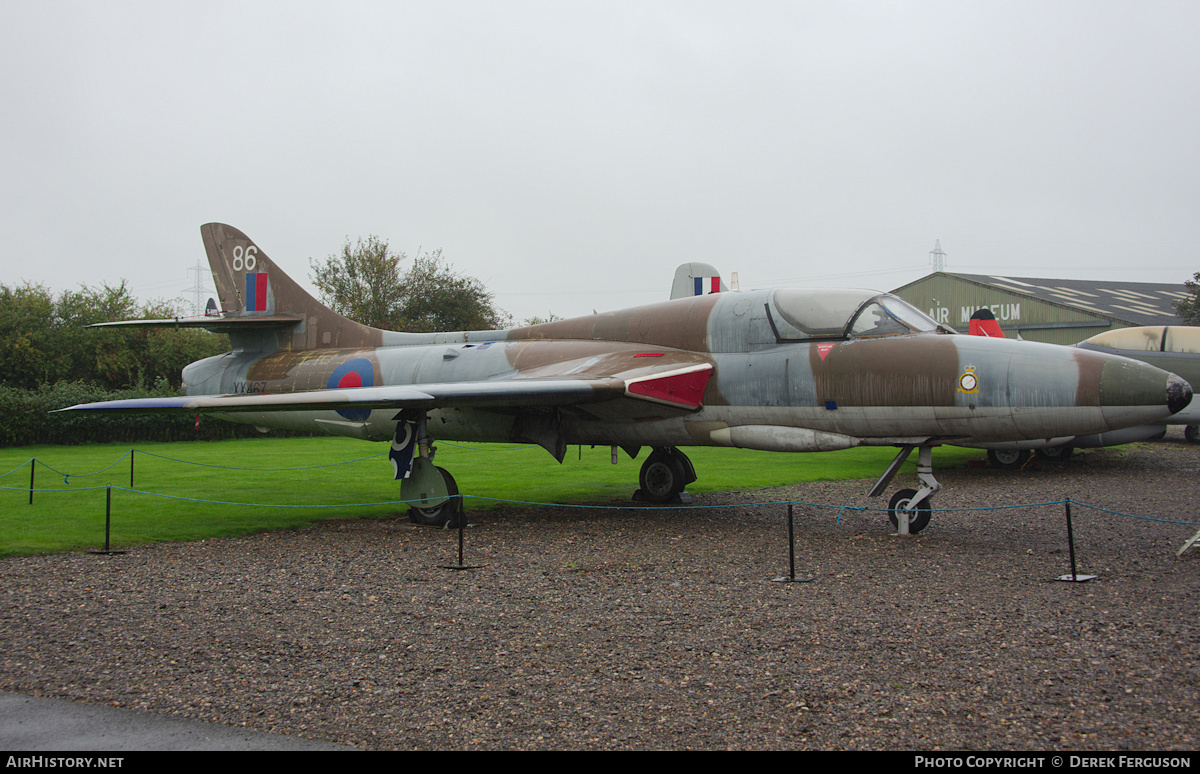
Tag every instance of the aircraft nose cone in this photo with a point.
(1134, 388)
(1179, 393)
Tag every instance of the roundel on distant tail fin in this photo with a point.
(357, 372)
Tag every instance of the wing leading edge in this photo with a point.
(681, 388)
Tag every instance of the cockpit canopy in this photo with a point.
(1155, 338)
(802, 315)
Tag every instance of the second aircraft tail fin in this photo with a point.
(696, 279)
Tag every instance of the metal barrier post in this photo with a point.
(461, 527)
(1074, 577)
(791, 545)
(461, 516)
(107, 515)
(791, 576)
(107, 523)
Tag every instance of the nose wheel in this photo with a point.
(917, 513)
(909, 509)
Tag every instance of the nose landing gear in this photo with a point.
(909, 509)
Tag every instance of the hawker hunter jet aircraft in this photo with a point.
(781, 370)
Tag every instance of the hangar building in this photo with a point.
(1050, 310)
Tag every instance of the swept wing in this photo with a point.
(674, 387)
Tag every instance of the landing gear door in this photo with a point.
(425, 486)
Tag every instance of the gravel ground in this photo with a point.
(660, 629)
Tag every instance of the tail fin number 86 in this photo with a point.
(245, 259)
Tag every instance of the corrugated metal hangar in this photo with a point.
(1050, 310)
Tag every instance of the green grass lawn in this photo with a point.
(249, 474)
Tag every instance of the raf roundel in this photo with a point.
(353, 373)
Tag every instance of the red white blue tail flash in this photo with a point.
(256, 291)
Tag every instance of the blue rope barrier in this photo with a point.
(507, 447)
(52, 491)
(14, 470)
(631, 507)
(841, 509)
(847, 508)
(261, 470)
(66, 476)
(1130, 515)
(262, 505)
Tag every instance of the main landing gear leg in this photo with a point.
(431, 491)
(664, 475)
(908, 509)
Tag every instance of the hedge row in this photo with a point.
(27, 417)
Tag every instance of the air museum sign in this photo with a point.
(1003, 312)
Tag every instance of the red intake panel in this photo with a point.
(683, 389)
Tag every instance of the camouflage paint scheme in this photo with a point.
(782, 370)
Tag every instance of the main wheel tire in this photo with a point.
(662, 477)
(449, 512)
(1192, 433)
(1055, 453)
(918, 519)
(1007, 459)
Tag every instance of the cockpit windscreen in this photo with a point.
(799, 315)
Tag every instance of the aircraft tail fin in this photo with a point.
(983, 323)
(696, 279)
(253, 290)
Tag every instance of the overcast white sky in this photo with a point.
(571, 154)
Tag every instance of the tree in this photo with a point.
(537, 319)
(365, 283)
(1188, 308)
(108, 356)
(44, 339)
(438, 299)
(26, 313)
